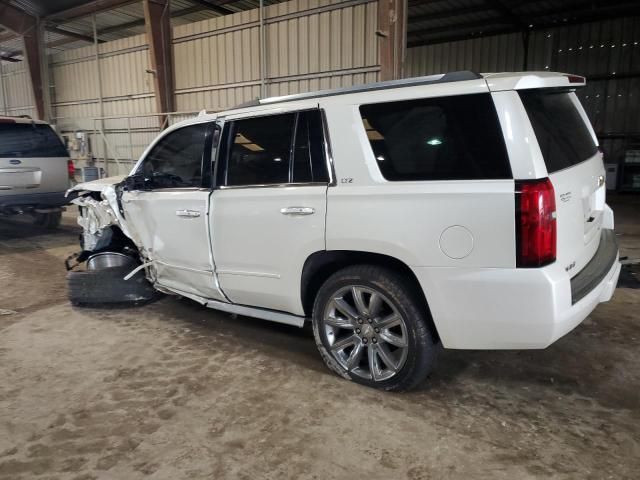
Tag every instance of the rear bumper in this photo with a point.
(495, 308)
(50, 199)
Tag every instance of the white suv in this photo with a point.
(457, 209)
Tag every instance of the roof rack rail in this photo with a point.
(371, 87)
(251, 103)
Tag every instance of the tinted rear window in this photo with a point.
(563, 136)
(21, 140)
(444, 138)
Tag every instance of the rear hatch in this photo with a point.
(32, 158)
(575, 168)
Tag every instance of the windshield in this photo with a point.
(23, 140)
(563, 136)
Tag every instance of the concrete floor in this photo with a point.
(175, 391)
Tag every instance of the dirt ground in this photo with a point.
(175, 391)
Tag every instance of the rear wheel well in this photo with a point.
(321, 265)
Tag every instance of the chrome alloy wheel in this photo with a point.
(366, 334)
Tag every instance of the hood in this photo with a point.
(97, 185)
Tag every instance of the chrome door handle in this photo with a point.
(297, 211)
(188, 213)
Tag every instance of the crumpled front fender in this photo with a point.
(98, 214)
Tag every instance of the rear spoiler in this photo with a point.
(527, 80)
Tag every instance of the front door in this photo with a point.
(169, 214)
(269, 207)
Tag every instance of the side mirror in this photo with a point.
(134, 182)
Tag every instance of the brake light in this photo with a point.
(71, 168)
(535, 223)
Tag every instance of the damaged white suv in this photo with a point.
(456, 209)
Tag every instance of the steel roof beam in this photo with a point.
(73, 35)
(446, 14)
(214, 6)
(89, 8)
(457, 31)
(29, 28)
(158, 30)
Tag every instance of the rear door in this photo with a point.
(170, 213)
(269, 207)
(32, 159)
(574, 165)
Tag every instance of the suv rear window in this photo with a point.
(22, 140)
(563, 136)
(443, 138)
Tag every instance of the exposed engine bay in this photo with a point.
(108, 249)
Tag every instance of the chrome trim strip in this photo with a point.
(275, 185)
(247, 274)
(328, 153)
(187, 269)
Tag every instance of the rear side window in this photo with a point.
(564, 138)
(275, 149)
(22, 140)
(260, 150)
(444, 138)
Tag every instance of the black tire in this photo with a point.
(49, 220)
(422, 346)
(107, 286)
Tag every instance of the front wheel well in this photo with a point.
(321, 265)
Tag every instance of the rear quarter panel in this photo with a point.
(410, 220)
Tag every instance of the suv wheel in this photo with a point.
(370, 328)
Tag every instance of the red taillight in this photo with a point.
(71, 168)
(535, 223)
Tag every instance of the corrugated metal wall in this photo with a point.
(16, 96)
(126, 86)
(310, 45)
(607, 53)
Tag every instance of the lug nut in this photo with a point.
(374, 340)
(370, 321)
(357, 330)
(364, 340)
(360, 321)
(377, 330)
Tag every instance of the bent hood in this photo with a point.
(97, 185)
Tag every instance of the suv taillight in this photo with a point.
(535, 223)
(71, 169)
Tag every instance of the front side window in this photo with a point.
(22, 140)
(275, 149)
(444, 138)
(176, 161)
